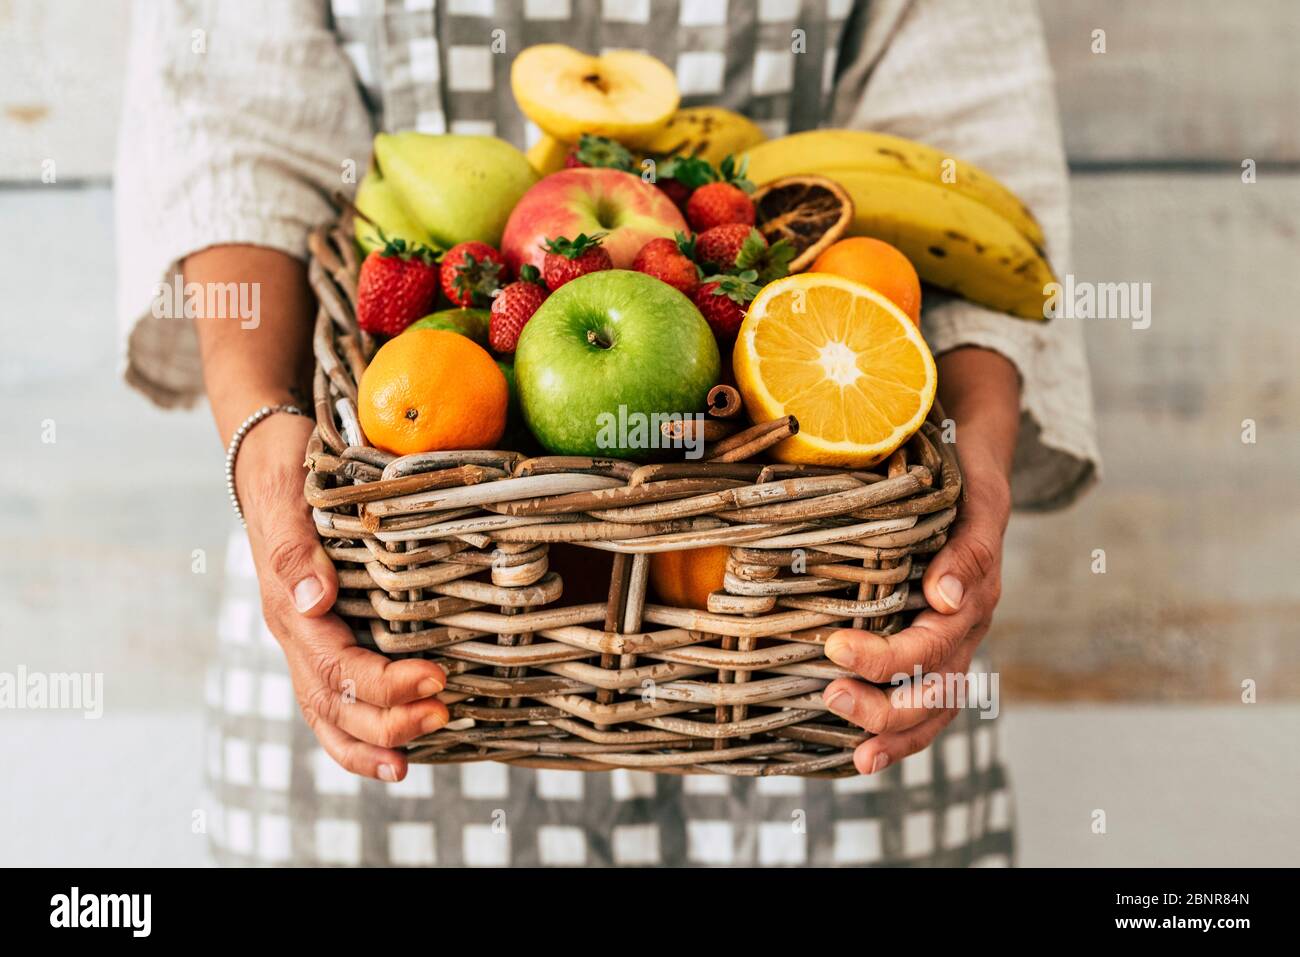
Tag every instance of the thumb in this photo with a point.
(297, 560)
(969, 557)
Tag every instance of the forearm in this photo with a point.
(980, 390)
(361, 706)
(266, 361)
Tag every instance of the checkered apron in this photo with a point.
(275, 797)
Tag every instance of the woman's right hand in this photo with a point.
(360, 705)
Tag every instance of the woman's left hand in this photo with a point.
(962, 584)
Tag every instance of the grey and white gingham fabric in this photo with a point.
(277, 798)
(444, 66)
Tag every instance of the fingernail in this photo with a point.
(386, 773)
(428, 687)
(841, 704)
(307, 593)
(950, 590)
(880, 763)
(837, 650)
(431, 723)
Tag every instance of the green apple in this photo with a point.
(457, 188)
(605, 357)
(379, 201)
(470, 323)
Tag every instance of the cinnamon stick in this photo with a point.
(724, 401)
(688, 430)
(743, 445)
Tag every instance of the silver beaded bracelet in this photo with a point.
(232, 451)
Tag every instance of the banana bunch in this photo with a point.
(963, 230)
(709, 132)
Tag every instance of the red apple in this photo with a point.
(628, 210)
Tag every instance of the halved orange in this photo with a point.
(842, 359)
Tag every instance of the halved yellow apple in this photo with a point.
(624, 95)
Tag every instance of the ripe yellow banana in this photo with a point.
(831, 152)
(954, 242)
(709, 132)
(547, 155)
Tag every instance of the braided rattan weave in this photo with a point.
(445, 555)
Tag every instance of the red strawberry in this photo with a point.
(677, 191)
(669, 260)
(720, 246)
(679, 176)
(513, 307)
(397, 285)
(471, 273)
(722, 300)
(717, 204)
(736, 247)
(599, 152)
(567, 259)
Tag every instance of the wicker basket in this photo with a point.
(445, 555)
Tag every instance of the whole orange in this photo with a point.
(430, 390)
(685, 578)
(877, 264)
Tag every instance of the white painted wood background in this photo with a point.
(1199, 529)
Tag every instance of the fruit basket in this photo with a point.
(446, 555)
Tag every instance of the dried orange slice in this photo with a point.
(841, 358)
(811, 212)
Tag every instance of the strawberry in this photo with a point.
(717, 204)
(670, 261)
(679, 176)
(735, 248)
(720, 246)
(397, 285)
(513, 307)
(599, 152)
(471, 273)
(677, 191)
(723, 195)
(722, 300)
(567, 259)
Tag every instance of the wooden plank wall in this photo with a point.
(61, 65)
(1199, 529)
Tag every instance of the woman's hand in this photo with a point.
(980, 391)
(360, 705)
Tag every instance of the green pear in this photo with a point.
(378, 200)
(457, 188)
(470, 323)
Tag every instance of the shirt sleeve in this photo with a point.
(972, 77)
(240, 119)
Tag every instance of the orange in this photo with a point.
(685, 578)
(845, 361)
(876, 264)
(430, 390)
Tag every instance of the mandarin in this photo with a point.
(431, 390)
(844, 360)
(877, 264)
(685, 578)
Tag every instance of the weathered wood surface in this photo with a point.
(1200, 530)
(1181, 80)
(100, 526)
(1187, 81)
(61, 69)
